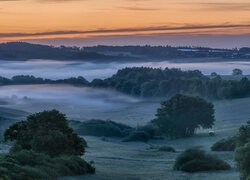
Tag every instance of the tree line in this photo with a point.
(154, 82)
(24, 51)
(151, 82)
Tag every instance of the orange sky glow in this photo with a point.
(85, 19)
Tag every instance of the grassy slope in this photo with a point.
(116, 160)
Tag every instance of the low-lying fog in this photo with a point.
(78, 103)
(85, 103)
(89, 70)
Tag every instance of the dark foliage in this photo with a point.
(242, 157)
(137, 136)
(194, 160)
(228, 144)
(29, 165)
(182, 115)
(26, 79)
(242, 152)
(24, 51)
(166, 149)
(237, 72)
(244, 134)
(46, 132)
(150, 129)
(171, 52)
(100, 128)
(150, 82)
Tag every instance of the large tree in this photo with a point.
(45, 132)
(237, 72)
(182, 115)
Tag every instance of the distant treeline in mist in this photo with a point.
(152, 82)
(25, 51)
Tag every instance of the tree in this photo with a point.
(182, 115)
(213, 74)
(242, 157)
(237, 72)
(244, 134)
(45, 132)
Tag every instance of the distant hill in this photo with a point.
(25, 51)
(168, 52)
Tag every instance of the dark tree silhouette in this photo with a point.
(237, 72)
(45, 132)
(182, 115)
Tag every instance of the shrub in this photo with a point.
(149, 129)
(46, 132)
(137, 136)
(193, 160)
(45, 148)
(244, 134)
(228, 144)
(30, 165)
(100, 128)
(167, 149)
(242, 158)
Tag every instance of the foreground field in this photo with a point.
(118, 160)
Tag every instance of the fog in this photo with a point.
(78, 103)
(85, 103)
(89, 70)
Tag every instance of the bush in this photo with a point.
(137, 136)
(242, 158)
(228, 144)
(100, 128)
(167, 149)
(194, 160)
(149, 129)
(46, 132)
(45, 148)
(30, 165)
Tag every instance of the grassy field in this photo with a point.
(118, 160)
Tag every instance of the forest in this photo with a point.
(26, 51)
(153, 82)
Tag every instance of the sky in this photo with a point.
(213, 23)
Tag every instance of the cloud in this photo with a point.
(216, 41)
(139, 8)
(41, 0)
(227, 6)
(127, 30)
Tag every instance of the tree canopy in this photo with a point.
(237, 72)
(45, 132)
(182, 115)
